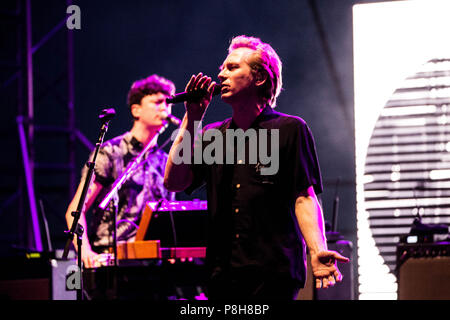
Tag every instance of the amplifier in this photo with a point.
(423, 271)
(35, 276)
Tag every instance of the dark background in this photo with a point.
(122, 41)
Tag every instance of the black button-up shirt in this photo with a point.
(252, 222)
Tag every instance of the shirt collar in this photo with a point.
(263, 115)
(135, 144)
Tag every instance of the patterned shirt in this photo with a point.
(146, 184)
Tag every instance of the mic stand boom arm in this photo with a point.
(113, 193)
(129, 171)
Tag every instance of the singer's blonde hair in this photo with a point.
(266, 60)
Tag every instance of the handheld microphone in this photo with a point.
(192, 96)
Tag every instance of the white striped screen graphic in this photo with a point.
(407, 169)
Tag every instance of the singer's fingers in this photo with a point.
(331, 281)
(202, 83)
(205, 83)
(211, 87)
(338, 276)
(197, 79)
(340, 257)
(325, 283)
(318, 283)
(190, 84)
(343, 259)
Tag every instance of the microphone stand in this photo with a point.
(76, 228)
(333, 235)
(113, 193)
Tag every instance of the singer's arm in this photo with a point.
(310, 221)
(179, 176)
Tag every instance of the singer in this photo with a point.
(148, 107)
(258, 223)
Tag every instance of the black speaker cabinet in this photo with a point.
(25, 277)
(341, 290)
(423, 271)
(35, 276)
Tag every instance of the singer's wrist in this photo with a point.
(192, 116)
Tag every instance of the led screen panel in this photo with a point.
(402, 109)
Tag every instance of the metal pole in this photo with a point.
(71, 109)
(30, 98)
(28, 155)
(20, 76)
(30, 186)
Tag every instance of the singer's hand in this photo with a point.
(199, 83)
(324, 267)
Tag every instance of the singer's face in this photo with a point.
(236, 76)
(152, 110)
